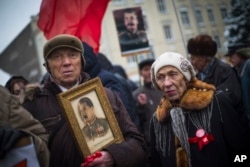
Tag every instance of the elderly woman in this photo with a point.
(194, 124)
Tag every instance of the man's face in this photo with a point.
(130, 21)
(172, 82)
(146, 73)
(86, 112)
(199, 62)
(235, 60)
(65, 66)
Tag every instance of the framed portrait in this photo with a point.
(131, 31)
(90, 116)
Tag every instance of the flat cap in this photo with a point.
(60, 41)
(244, 52)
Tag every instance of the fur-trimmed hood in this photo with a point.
(198, 96)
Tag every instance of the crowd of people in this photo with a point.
(190, 111)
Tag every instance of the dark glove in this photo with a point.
(8, 137)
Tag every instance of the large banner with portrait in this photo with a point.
(131, 31)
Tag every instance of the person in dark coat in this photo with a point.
(95, 68)
(120, 72)
(202, 50)
(147, 99)
(64, 60)
(194, 124)
(240, 60)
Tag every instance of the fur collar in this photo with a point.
(198, 96)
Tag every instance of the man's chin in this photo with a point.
(69, 82)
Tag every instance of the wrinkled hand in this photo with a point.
(8, 137)
(142, 99)
(104, 159)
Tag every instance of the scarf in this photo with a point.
(198, 97)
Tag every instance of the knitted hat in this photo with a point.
(61, 41)
(172, 59)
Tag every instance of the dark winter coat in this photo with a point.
(244, 74)
(224, 78)
(64, 151)
(146, 111)
(231, 136)
(110, 80)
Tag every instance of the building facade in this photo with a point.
(168, 24)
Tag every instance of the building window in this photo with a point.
(162, 6)
(210, 14)
(139, 57)
(217, 40)
(184, 17)
(131, 59)
(168, 32)
(199, 17)
(223, 11)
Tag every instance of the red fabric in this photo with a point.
(201, 141)
(23, 163)
(82, 18)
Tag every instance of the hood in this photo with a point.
(92, 67)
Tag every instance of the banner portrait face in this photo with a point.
(131, 31)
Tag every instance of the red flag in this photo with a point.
(82, 18)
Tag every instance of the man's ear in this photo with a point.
(46, 66)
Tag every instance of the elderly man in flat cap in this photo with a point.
(194, 125)
(64, 60)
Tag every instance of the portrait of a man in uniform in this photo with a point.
(94, 127)
(132, 35)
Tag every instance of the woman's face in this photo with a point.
(172, 82)
(235, 60)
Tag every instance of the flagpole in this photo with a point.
(180, 27)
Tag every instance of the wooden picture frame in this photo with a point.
(90, 136)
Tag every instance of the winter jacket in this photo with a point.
(244, 74)
(146, 111)
(225, 135)
(110, 80)
(224, 78)
(13, 115)
(64, 151)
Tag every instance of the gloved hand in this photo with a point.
(8, 137)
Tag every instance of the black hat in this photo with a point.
(146, 62)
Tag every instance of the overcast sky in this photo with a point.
(14, 16)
